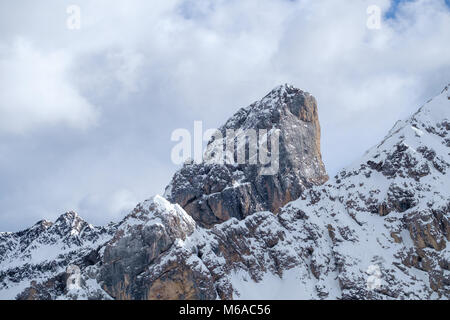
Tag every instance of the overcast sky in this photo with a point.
(86, 115)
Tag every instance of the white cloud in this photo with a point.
(117, 203)
(36, 91)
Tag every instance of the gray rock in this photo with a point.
(142, 237)
(215, 192)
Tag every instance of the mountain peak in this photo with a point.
(280, 95)
(69, 217)
(216, 191)
(284, 88)
(70, 223)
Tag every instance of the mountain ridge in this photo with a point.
(383, 218)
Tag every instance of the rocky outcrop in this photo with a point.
(142, 237)
(214, 192)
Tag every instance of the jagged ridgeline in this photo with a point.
(378, 230)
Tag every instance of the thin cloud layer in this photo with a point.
(35, 91)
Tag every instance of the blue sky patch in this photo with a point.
(391, 13)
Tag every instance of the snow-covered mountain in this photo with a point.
(42, 251)
(378, 230)
(213, 192)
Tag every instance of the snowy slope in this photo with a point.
(45, 250)
(387, 212)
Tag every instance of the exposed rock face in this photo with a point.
(150, 230)
(213, 193)
(380, 229)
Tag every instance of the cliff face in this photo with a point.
(379, 229)
(213, 193)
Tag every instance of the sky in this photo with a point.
(86, 115)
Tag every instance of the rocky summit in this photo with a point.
(213, 193)
(379, 229)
